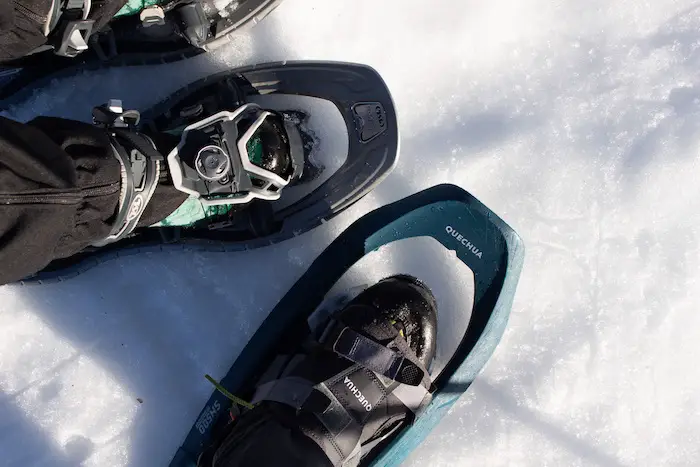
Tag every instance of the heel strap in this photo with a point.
(141, 167)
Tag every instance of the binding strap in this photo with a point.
(374, 356)
(70, 27)
(141, 168)
(346, 402)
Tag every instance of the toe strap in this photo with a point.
(375, 357)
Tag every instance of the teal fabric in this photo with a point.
(190, 212)
(133, 7)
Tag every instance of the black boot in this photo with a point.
(348, 391)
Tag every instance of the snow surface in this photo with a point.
(577, 122)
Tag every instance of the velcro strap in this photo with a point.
(375, 357)
(291, 391)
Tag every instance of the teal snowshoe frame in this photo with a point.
(450, 215)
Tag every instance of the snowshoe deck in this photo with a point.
(186, 31)
(484, 242)
(367, 111)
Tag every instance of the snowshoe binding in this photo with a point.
(143, 32)
(357, 379)
(248, 176)
(383, 338)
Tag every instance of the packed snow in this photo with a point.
(577, 122)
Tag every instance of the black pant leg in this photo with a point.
(59, 189)
(23, 23)
(21, 27)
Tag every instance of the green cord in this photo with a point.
(222, 390)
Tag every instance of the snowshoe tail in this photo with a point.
(365, 104)
(453, 217)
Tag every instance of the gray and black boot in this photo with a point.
(348, 391)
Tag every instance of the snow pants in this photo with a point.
(59, 192)
(59, 183)
(59, 188)
(25, 24)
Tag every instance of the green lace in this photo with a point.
(222, 390)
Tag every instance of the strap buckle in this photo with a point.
(74, 29)
(74, 38)
(375, 357)
(141, 166)
(152, 16)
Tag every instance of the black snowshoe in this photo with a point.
(448, 214)
(253, 200)
(164, 31)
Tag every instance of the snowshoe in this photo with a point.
(239, 197)
(360, 375)
(448, 214)
(143, 32)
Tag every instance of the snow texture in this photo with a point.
(577, 122)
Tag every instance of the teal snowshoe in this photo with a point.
(297, 356)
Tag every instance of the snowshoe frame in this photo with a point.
(365, 104)
(437, 212)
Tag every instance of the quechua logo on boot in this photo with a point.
(358, 394)
(463, 240)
